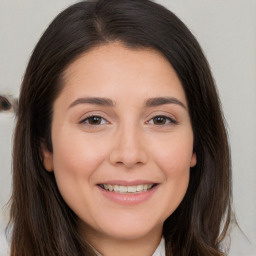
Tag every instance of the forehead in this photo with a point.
(115, 67)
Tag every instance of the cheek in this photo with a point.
(76, 154)
(76, 158)
(173, 158)
(173, 155)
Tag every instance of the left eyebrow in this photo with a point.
(158, 101)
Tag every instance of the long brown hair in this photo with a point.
(41, 222)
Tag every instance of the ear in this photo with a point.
(47, 158)
(193, 160)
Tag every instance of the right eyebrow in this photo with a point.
(94, 101)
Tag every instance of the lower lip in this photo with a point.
(128, 199)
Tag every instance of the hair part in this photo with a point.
(42, 223)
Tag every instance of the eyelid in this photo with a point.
(93, 114)
(165, 114)
(87, 118)
(171, 121)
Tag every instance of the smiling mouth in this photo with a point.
(127, 189)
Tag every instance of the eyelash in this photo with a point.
(167, 119)
(90, 118)
(95, 118)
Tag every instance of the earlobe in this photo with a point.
(47, 158)
(193, 160)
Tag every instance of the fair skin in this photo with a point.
(121, 120)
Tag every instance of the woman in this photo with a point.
(120, 145)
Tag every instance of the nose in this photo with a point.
(129, 149)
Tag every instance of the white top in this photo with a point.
(160, 250)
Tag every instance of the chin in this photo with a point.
(133, 232)
(130, 226)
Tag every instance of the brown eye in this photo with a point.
(162, 120)
(94, 120)
(159, 120)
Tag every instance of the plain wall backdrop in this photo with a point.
(226, 30)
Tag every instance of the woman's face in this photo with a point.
(122, 142)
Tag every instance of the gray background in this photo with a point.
(226, 30)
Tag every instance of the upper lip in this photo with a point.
(128, 183)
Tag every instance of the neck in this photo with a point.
(111, 246)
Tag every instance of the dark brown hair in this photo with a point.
(42, 224)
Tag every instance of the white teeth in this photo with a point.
(139, 188)
(127, 189)
(123, 189)
(116, 188)
(132, 189)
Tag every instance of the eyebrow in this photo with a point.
(151, 102)
(93, 101)
(158, 101)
